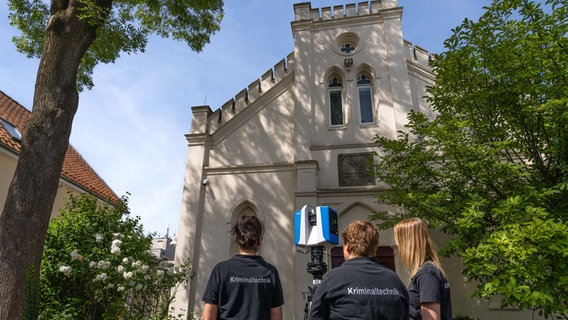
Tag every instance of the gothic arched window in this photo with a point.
(365, 92)
(335, 88)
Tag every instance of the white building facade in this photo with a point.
(302, 134)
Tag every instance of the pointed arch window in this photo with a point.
(365, 92)
(335, 88)
(244, 209)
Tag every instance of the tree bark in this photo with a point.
(26, 214)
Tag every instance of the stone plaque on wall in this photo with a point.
(355, 169)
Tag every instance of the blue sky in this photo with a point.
(130, 128)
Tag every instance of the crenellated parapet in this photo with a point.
(304, 11)
(244, 98)
(417, 54)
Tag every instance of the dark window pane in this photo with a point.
(366, 105)
(336, 108)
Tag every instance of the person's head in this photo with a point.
(360, 239)
(415, 245)
(248, 233)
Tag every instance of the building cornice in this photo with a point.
(252, 168)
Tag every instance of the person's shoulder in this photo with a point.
(429, 268)
(222, 264)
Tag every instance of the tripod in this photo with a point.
(317, 268)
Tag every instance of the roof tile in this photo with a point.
(75, 169)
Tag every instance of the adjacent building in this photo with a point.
(163, 247)
(77, 176)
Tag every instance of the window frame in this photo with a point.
(335, 87)
(11, 129)
(368, 87)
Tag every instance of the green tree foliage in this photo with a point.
(491, 168)
(71, 37)
(97, 265)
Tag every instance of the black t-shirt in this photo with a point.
(429, 285)
(360, 289)
(244, 287)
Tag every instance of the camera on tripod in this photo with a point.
(316, 227)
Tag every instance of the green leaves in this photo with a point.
(523, 262)
(491, 168)
(30, 17)
(97, 265)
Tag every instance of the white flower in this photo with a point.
(120, 269)
(102, 277)
(76, 256)
(66, 270)
(127, 275)
(103, 264)
(144, 268)
(137, 264)
(117, 235)
(125, 260)
(115, 250)
(98, 237)
(92, 264)
(160, 273)
(110, 285)
(139, 287)
(120, 288)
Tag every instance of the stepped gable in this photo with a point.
(75, 169)
(249, 94)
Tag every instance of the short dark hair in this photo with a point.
(247, 232)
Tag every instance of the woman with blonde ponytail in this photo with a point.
(429, 290)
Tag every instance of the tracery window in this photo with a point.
(335, 88)
(347, 47)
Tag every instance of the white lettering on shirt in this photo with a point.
(235, 279)
(373, 291)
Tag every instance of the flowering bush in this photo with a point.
(97, 265)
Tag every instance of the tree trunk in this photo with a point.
(26, 214)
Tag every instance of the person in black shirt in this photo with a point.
(429, 290)
(246, 286)
(360, 288)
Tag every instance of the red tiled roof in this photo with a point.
(75, 169)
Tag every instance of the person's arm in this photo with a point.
(430, 311)
(209, 312)
(276, 313)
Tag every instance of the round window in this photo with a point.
(347, 43)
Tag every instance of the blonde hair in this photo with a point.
(415, 246)
(362, 237)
